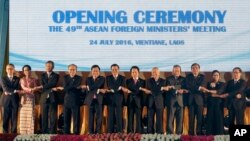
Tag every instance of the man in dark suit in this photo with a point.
(48, 99)
(115, 84)
(235, 89)
(134, 99)
(175, 104)
(154, 89)
(72, 89)
(94, 98)
(10, 86)
(196, 86)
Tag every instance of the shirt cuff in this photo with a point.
(199, 88)
(119, 88)
(6, 93)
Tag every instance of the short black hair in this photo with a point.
(114, 65)
(26, 66)
(95, 66)
(177, 66)
(11, 65)
(195, 64)
(237, 68)
(215, 71)
(51, 62)
(72, 65)
(135, 67)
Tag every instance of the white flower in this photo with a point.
(39, 137)
(221, 138)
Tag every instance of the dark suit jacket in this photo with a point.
(193, 85)
(157, 95)
(172, 96)
(247, 93)
(9, 87)
(117, 97)
(93, 87)
(135, 94)
(220, 88)
(234, 89)
(72, 90)
(48, 84)
(1, 89)
(1, 94)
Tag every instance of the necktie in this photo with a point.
(48, 75)
(135, 80)
(235, 81)
(94, 97)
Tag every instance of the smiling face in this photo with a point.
(134, 73)
(195, 70)
(10, 70)
(216, 77)
(236, 74)
(72, 70)
(26, 71)
(155, 73)
(176, 71)
(115, 70)
(95, 72)
(48, 67)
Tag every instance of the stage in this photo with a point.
(111, 137)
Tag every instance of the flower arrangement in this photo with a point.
(34, 137)
(170, 137)
(222, 138)
(112, 137)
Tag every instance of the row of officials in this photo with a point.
(19, 93)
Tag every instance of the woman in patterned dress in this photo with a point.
(27, 114)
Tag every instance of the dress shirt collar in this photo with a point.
(95, 77)
(49, 73)
(115, 76)
(135, 78)
(9, 76)
(235, 80)
(195, 76)
(176, 77)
